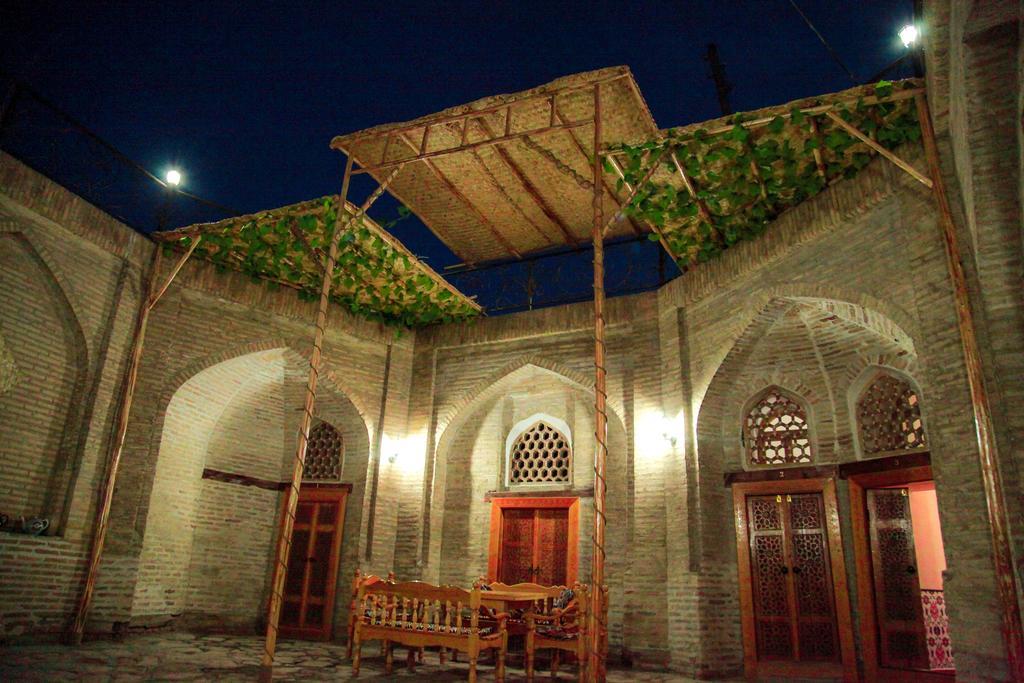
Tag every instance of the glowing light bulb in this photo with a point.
(173, 177)
(908, 34)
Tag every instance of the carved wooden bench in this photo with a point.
(419, 614)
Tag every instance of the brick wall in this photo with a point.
(849, 282)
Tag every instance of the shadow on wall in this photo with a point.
(208, 548)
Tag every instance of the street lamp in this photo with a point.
(908, 34)
(173, 176)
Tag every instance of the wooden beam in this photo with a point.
(466, 202)
(509, 199)
(149, 299)
(988, 454)
(765, 120)
(341, 140)
(604, 180)
(658, 231)
(915, 174)
(819, 159)
(702, 208)
(530, 188)
(174, 272)
(428, 156)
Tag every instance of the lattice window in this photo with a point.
(324, 454)
(776, 432)
(540, 455)
(889, 416)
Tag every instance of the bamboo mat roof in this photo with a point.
(708, 185)
(525, 195)
(376, 277)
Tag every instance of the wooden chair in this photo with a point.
(370, 580)
(560, 624)
(417, 615)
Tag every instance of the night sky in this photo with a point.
(244, 97)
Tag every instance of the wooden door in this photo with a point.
(534, 545)
(794, 602)
(518, 546)
(534, 541)
(901, 631)
(308, 607)
(551, 527)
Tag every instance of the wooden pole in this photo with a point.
(1002, 555)
(284, 543)
(917, 175)
(99, 535)
(598, 622)
(629, 188)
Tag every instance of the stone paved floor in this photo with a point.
(186, 657)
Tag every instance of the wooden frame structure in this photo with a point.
(889, 473)
(557, 120)
(753, 668)
(499, 505)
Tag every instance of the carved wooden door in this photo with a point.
(534, 546)
(901, 628)
(308, 607)
(794, 602)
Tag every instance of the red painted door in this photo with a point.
(534, 546)
(308, 607)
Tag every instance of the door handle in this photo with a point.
(784, 569)
(796, 570)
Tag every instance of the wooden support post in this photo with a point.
(597, 617)
(1002, 554)
(917, 175)
(292, 493)
(150, 296)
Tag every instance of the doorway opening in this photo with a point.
(534, 540)
(900, 564)
(792, 580)
(307, 609)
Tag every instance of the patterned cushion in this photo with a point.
(483, 631)
(563, 600)
(559, 632)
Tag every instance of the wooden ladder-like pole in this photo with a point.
(284, 543)
(151, 294)
(596, 617)
(1002, 554)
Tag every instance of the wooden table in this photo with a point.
(505, 600)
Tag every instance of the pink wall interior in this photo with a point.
(931, 558)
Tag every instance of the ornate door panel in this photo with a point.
(794, 603)
(552, 527)
(308, 607)
(769, 572)
(897, 592)
(817, 636)
(534, 540)
(517, 546)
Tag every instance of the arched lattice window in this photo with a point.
(889, 416)
(775, 430)
(540, 455)
(324, 454)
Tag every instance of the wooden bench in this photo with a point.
(360, 578)
(419, 614)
